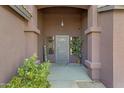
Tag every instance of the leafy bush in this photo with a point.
(31, 75)
(75, 45)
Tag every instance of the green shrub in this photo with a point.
(31, 75)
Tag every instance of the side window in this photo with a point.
(50, 45)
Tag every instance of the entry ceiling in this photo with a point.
(76, 6)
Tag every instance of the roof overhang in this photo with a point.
(110, 7)
(21, 11)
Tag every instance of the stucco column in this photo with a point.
(31, 33)
(31, 42)
(93, 41)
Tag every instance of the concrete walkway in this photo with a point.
(65, 76)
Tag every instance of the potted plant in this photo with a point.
(75, 46)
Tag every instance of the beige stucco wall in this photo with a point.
(84, 36)
(31, 32)
(118, 48)
(112, 47)
(41, 36)
(105, 21)
(32, 9)
(14, 41)
(31, 43)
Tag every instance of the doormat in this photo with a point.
(90, 84)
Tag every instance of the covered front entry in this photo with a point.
(62, 49)
(60, 25)
(71, 76)
(65, 76)
(62, 32)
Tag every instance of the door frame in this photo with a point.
(68, 47)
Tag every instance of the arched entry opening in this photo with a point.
(60, 24)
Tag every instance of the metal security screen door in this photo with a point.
(62, 49)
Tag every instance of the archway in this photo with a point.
(91, 30)
(68, 21)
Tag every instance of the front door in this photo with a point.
(62, 49)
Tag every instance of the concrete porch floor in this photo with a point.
(65, 76)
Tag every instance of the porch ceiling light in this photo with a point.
(62, 23)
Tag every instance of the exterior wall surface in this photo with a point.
(51, 24)
(41, 36)
(105, 21)
(84, 37)
(118, 48)
(31, 32)
(15, 43)
(31, 43)
(12, 43)
(112, 47)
